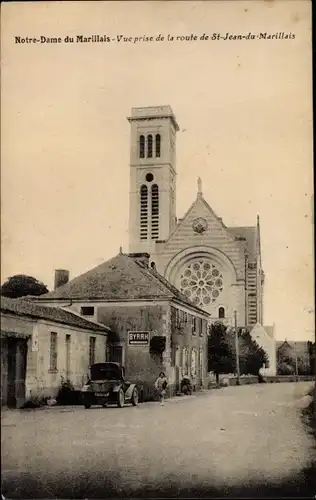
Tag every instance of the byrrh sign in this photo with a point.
(138, 338)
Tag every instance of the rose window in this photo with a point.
(202, 283)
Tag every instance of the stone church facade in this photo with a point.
(217, 267)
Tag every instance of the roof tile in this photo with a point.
(120, 278)
(27, 307)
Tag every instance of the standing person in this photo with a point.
(161, 385)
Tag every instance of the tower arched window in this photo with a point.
(149, 146)
(221, 313)
(142, 146)
(143, 212)
(154, 212)
(158, 145)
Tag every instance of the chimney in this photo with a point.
(61, 277)
(141, 258)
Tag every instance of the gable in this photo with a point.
(212, 233)
(259, 330)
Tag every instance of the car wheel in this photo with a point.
(120, 398)
(135, 397)
(87, 406)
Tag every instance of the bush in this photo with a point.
(34, 402)
(67, 394)
(285, 369)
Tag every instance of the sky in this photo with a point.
(245, 113)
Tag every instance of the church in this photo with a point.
(218, 268)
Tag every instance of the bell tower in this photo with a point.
(152, 199)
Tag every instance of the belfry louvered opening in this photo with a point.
(149, 146)
(142, 146)
(154, 212)
(158, 145)
(143, 212)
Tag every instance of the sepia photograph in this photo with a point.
(157, 258)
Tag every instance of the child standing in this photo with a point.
(161, 385)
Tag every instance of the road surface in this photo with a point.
(235, 441)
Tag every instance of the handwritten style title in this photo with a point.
(192, 37)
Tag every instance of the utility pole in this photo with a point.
(296, 363)
(237, 349)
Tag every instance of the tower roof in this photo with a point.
(153, 112)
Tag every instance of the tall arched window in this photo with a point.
(221, 312)
(142, 146)
(154, 212)
(149, 146)
(158, 144)
(143, 212)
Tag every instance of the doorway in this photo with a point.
(17, 359)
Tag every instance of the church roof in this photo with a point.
(269, 329)
(23, 307)
(249, 233)
(120, 278)
(246, 235)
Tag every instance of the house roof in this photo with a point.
(249, 233)
(120, 278)
(300, 346)
(22, 307)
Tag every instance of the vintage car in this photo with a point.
(107, 385)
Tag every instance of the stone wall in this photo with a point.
(141, 366)
(45, 382)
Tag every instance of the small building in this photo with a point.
(40, 345)
(156, 328)
(299, 354)
(265, 338)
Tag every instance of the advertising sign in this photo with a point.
(138, 338)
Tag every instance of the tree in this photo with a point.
(21, 285)
(252, 356)
(222, 351)
(220, 355)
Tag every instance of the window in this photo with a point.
(68, 344)
(203, 327)
(185, 360)
(149, 146)
(87, 311)
(185, 317)
(158, 144)
(202, 283)
(149, 177)
(53, 351)
(193, 362)
(154, 212)
(200, 326)
(91, 350)
(193, 325)
(221, 312)
(177, 318)
(201, 362)
(142, 146)
(114, 353)
(143, 212)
